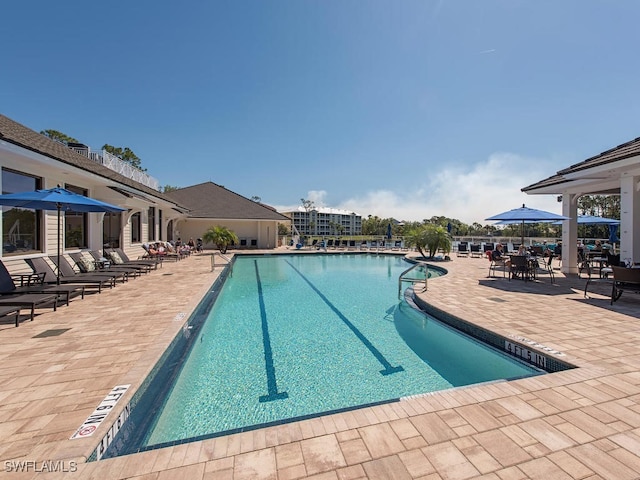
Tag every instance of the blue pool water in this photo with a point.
(299, 335)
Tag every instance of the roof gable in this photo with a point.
(209, 200)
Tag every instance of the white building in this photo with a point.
(322, 221)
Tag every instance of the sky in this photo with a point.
(405, 109)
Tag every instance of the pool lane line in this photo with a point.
(388, 368)
(272, 384)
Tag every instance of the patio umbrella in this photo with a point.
(593, 220)
(57, 199)
(526, 215)
(389, 231)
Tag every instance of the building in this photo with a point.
(255, 224)
(31, 161)
(613, 172)
(321, 221)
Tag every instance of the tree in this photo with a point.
(126, 155)
(308, 205)
(59, 136)
(429, 238)
(169, 188)
(221, 236)
(283, 229)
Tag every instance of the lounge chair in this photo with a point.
(34, 284)
(5, 311)
(40, 266)
(351, 245)
(67, 271)
(624, 279)
(30, 301)
(397, 245)
(160, 256)
(121, 258)
(475, 250)
(463, 250)
(87, 263)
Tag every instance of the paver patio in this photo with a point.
(582, 423)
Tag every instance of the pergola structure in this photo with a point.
(614, 172)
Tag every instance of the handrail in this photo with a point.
(213, 262)
(404, 278)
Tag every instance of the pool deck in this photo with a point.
(582, 423)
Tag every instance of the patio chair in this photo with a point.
(89, 265)
(521, 266)
(624, 279)
(493, 265)
(33, 284)
(67, 271)
(463, 250)
(40, 266)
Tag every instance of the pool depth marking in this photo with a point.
(388, 368)
(272, 384)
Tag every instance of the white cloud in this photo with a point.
(469, 194)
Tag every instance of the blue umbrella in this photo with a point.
(57, 199)
(527, 215)
(593, 220)
(389, 231)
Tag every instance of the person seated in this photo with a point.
(522, 250)
(498, 255)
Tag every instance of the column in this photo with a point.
(629, 216)
(570, 234)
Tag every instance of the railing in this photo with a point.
(123, 168)
(405, 277)
(229, 262)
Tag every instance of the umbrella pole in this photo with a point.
(58, 266)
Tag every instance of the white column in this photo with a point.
(629, 216)
(570, 234)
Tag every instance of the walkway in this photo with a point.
(582, 423)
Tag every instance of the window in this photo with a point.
(160, 225)
(136, 225)
(151, 224)
(75, 223)
(21, 227)
(111, 230)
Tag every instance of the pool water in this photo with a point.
(300, 335)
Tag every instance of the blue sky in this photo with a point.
(392, 108)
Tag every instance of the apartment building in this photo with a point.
(323, 221)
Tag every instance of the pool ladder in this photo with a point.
(406, 276)
(213, 262)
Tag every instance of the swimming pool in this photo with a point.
(301, 335)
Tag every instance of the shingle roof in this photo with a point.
(17, 134)
(209, 200)
(621, 152)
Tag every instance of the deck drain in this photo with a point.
(51, 333)
(496, 299)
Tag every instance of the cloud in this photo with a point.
(467, 193)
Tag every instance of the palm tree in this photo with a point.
(221, 236)
(430, 237)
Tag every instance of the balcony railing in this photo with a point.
(117, 165)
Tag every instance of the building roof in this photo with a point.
(327, 210)
(209, 200)
(17, 134)
(621, 152)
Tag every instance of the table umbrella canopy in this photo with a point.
(57, 199)
(526, 215)
(593, 220)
